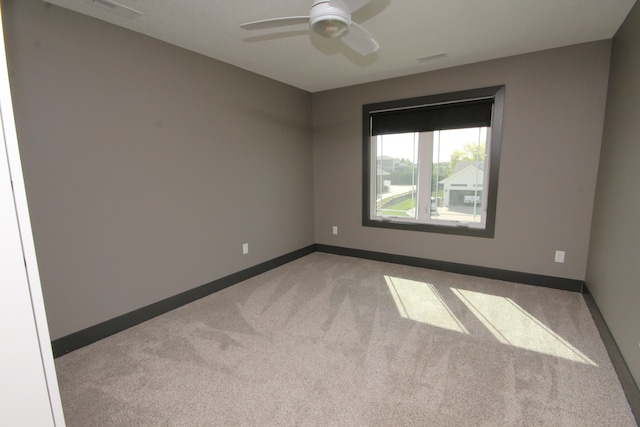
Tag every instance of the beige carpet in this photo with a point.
(336, 341)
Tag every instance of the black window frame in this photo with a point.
(496, 94)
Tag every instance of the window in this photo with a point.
(431, 163)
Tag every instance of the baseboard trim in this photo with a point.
(110, 327)
(624, 375)
(452, 267)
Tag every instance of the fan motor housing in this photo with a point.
(328, 21)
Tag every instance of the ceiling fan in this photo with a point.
(329, 18)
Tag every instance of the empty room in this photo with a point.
(330, 212)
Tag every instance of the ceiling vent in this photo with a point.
(432, 57)
(116, 8)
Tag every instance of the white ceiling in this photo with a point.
(466, 30)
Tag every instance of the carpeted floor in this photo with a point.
(336, 341)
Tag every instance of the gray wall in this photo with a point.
(614, 256)
(148, 166)
(554, 110)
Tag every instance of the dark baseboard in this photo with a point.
(452, 267)
(624, 375)
(102, 330)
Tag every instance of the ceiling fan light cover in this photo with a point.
(330, 26)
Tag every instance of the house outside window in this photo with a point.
(431, 163)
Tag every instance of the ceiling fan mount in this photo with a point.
(331, 19)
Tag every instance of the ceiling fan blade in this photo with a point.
(275, 22)
(349, 5)
(360, 40)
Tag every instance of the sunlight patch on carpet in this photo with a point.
(513, 325)
(423, 303)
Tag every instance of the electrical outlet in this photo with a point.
(559, 256)
(245, 248)
(335, 229)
